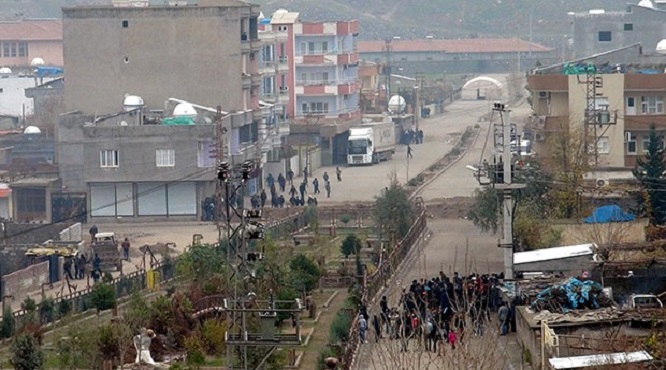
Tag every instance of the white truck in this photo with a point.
(371, 143)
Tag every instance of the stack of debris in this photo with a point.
(571, 294)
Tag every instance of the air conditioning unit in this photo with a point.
(539, 122)
(544, 94)
(602, 182)
(627, 136)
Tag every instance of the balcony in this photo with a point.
(269, 98)
(267, 67)
(247, 81)
(255, 80)
(348, 58)
(283, 94)
(348, 88)
(283, 64)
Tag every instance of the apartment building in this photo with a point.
(598, 30)
(322, 81)
(21, 41)
(625, 105)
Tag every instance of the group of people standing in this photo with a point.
(296, 195)
(436, 311)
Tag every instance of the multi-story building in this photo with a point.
(322, 82)
(624, 107)
(22, 41)
(373, 90)
(597, 31)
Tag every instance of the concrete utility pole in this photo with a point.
(507, 188)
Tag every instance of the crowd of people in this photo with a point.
(286, 185)
(436, 312)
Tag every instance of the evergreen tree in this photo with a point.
(651, 174)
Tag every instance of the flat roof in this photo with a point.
(478, 45)
(578, 362)
(548, 254)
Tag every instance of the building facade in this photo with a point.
(598, 31)
(24, 40)
(625, 106)
(456, 56)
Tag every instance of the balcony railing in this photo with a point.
(328, 82)
(323, 52)
(267, 64)
(283, 59)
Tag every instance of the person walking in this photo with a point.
(315, 186)
(325, 176)
(290, 177)
(410, 154)
(377, 327)
(292, 191)
(338, 173)
(503, 316)
(282, 182)
(327, 186)
(93, 231)
(362, 327)
(126, 249)
(81, 267)
(301, 189)
(452, 338)
(263, 197)
(67, 266)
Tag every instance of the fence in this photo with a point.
(79, 301)
(25, 280)
(375, 282)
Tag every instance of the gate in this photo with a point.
(69, 207)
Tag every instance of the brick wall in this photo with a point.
(29, 279)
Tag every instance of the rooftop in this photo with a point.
(480, 45)
(14, 102)
(32, 30)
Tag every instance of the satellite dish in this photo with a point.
(184, 110)
(37, 62)
(646, 4)
(123, 123)
(397, 104)
(32, 130)
(132, 102)
(5, 71)
(661, 47)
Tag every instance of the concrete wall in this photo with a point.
(627, 232)
(29, 279)
(649, 27)
(574, 265)
(163, 52)
(79, 152)
(72, 234)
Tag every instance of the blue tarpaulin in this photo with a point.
(572, 294)
(610, 213)
(48, 71)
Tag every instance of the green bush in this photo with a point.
(46, 310)
(29, 305)
(305, 273)
(7, 328)
(345, 218)
(26, 353)
(340, 327)
(194, 351)
(212, 336)
(351, 245)
(102, 297)
(64, 308)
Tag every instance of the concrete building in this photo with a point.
(598, 30)
(127, 166)
(322, 82)
(625, 106)
(24, 40)
(479, 55)
(373, 88)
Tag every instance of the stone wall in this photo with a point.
(26, 280)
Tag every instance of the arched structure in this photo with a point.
(482, 88)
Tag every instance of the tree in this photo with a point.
(26, 353)
(651, 174)
(304, 272)
(393, 210)
(103, 297)
(351, 245)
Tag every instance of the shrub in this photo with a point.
(64, 308)
(324, 353)
(7, 328)
(46, 310)
(304, 273)
(194, 350)
(26, 353)
(340, 326)
(212, 336)
(351, 245)
(29, 305)
(102, 297)
(108, 342)
(345, 218)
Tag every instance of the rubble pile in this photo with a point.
(571, 294)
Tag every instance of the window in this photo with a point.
(324, 47)
(165, 157)
(5, 49)
(206, 154)
(318, 107)
(631, 144)
(603, 145)
(304, 50)
(23, 49)
(311, 47)
(645, 143)
(605, 36)
(628, 26)
(304, 107)
(652, 104)
(13, 49)
(125, 24)
(108, 158)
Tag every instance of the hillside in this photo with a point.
(404, 18)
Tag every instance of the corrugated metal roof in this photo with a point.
(548, 254)
(578, 362)
(482, 45)
(27, 30)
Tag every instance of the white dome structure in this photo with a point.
(132, 102)
(32, 130)
(661, 47)
(280, 11)
(397, 104)
(37, 62)
(646, 4)
(184, 110)
(5, 71)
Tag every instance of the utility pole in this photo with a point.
(387, 49)
(505, 184)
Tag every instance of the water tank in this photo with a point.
(132, 102)
(661, 47)
(646, 4)
(32, 130)
(5, 71)
(184, 110)
(397, 104)
(37, 62)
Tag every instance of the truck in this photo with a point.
(371, 142)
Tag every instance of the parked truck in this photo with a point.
(371, 142)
